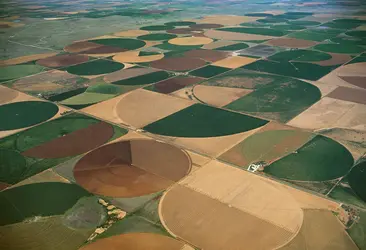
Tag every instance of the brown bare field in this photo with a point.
(150, 106)
(289, 144)
(220, 226)
(104, 51)
(133, 57)
(226, 19)
(212, 146)
(359, 81)
(207, 55)
(349, 94)
(41, 86)
(46, 176)
(138, 241)
(190, 41)
(62, 60)
(185, 31)
(336, 59)
(131, 33)
(172, 84)
(25, 59)
(131, 168)
(227, 35)
(178, 63)
(234, 62)
(127, 73)
(7, 94)
(354, 69)
(321, 230)
(3, 185)
(206, 26)
(241, 190)
(82, 46)
(75, 143)
(291, 43)
(323, 114)
(218, 44)
(218, 96)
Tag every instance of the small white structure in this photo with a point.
(256, 165)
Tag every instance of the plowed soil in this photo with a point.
(178, 63)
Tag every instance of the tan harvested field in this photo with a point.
(321, 230)
(62, 60)
(25, 59)
(7, 94)
(291, 43)
(207, 55)
(349, 94)
(190, 41)
(131, 33)
(42, 234)
(131, 168)
(150, 106)
(323, 114)
(75, 143)
(241, 190)
(218, 96)
(220, 226)
(46, 176)
(218, 44)
(197, 159)
(81, 46)
(336, 59)
(213, 146)
(234, 62)
(227, 35)
(185, 31)
(354, 69)
(355, 118)
(226, 19)
(41, 86)
(133, 57)
(138, 241)
(127, 73)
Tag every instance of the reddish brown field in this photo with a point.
(359, 81)
(81, 46)
(207, 55)
(349, 94)
(178, 63)
(62, 60)
(291, 43)
(75, 143)
(173, 84)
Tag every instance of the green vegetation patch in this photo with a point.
(312, 35)
(301, 55)
(157, 37)
(302, 70)
(180, 23)
(204, 121)
(124, 43)
(144, 79)
(286, 98)
(340, 48)
(320, 159)
(18, 71)
(157, 27)
(344, 23)
(272, 20)
(39, 199)
(356, 179)
(259, 14)
(24, 114)
(303, 22)
(357, 33)
(233, 47)
(348, 41)
(96, 67)
(173, 47)
(87, 213)
(256, 31)
(358, 231)
(12, 165)
(342, 192)
(288, 27)
(208, 71)
(66, 95)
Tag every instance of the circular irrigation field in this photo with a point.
(131, 168)
(356, 179)
(24, 114)
(97, 67)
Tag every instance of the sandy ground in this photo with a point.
(131, 33)
(354, 119)
(190, 41)
(46, 176)
(241, 190)
(226, 19)
(327, 113)
(181, 218)
(150, 106)
(21, 97)
(7, 95)
(292, 43)
(234, 62)
(218, 44)
(133, 57)
(218, 96)
(138, 241)
(24, 59)
(127, 73)
(349, 94)
(227, 35)
(321, 230)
